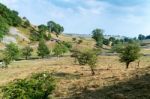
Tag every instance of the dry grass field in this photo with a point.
(75, 81)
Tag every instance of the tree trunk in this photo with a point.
(26, 57)
(92, 71)
(127, 65)
(138, 64)
(42, 56)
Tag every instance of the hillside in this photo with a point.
(43, 62)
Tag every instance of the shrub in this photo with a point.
(117, 48)
(67, 44)
(80, 41)
(89, 58)
(106, 42)
(43, 49)
(11, 52)
(97, 35)
(60, 49)
(26, 51)
(74, 39)
(38, 86)
(130, 53)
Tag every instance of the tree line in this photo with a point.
(143, 37)
(13, 52)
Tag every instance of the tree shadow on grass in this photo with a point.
(135, 88)
(66, 75)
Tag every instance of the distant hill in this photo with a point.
(89, 36)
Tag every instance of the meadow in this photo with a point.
(73, 79)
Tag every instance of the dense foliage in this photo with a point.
(60, 49)
(54, 27)
(118, 48)
(97, 35)
(89, 58)
(130, 53)
(44, 31)
(26, 51)
(43, 49)
(8, 18)
(11, 52)
(38, 86)
(3, 27)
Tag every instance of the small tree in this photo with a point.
(6, 61)
(106, 42)
(130, 53)
(117, 48)
(43, 49)
(74, 39)
(141, 37)
(97, 35)
(67, 44)
(80, 41)
(27, 52)
(60, 49)
(89, 58)
(11, 52)
(26, 23)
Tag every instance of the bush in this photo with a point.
(60, 49)
(80, 41)
(67, 44)
(38, 86)
(117, 48)
(89, 58)
(11, 52)
(106, 42)
(43, 49)
(97, 35)
(26, 51)
(3, 27)
(130, 53)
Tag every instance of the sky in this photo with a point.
(115, 17)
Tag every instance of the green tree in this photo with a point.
(42, 28)
(141, 37)
(3, 27)
(26, 51)
(6, 60)
(51, 25)
(34, 35)
(89, 58)
(26, 23)
(11, 52)
(106, 42)
(97, 35)
(54, 27)
(80, 41)
(74, 39)
(130, 53)
(67, 44)
(43, 49)
(117, 48)
(112, 39)
(60, 49)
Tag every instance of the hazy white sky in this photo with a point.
(116, 17)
